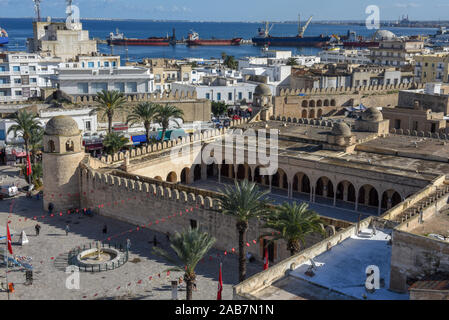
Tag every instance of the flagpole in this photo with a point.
(6, 251)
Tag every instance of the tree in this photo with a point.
(292, 223)
(114, 142)
(108, 103)
(292, 62)
(190, 247)
(244, 201)
(218, 108)
(167, 113)
(145, 113)
(230, 62)
(36, 174)
(36, 142)
(26, 124)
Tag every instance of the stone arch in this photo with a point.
(333, 103)
(197, 172)
(368, 196)
(185, 175)
(304, 113)
(158, 178)
(324, 187)
(312, 114)
(345, 191)
(279, 179)
(212, 170)
(262, 179)
(69, 146)
(301, 183)
(305, 104)
(319, 113)
(51, 146)
(241, 172)
(390, 198)
(319, 103)
(312, 104)
(172, 177)
(326, 103)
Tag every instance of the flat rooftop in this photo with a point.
(352, 256)
(436, 224)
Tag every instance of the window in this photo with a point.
(397, 124)
(51, 146)
(99, 86)
(98, 64)
(415, 125)
(131, 87)
(90, 64)
(16, 68)
(240, 96)
(18, 92)
(69, 146)
(218, 96)
(229, 95)
(208, 96)
(32, 68)
(83, 64)
(250, 95)
(17, 81)
(114, 64)
(119, 86)
(87, 126)
(2, 68)
(83, 87)
(106, 64)
(33, 80)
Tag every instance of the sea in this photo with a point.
(20, 29)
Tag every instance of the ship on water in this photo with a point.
(194, 40)
(354, 41)
(3, 37)
(264, 38)
(119, 39)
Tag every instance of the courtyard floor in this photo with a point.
(48, 252)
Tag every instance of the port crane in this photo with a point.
(304, 28)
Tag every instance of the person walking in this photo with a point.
(168, 236)
(50, 208)
(155, 241)
(105, 229)
(37, 227)
(67, 229)
(128, 244)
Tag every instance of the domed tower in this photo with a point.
(340, 138)
(263, 100)
(63, 151)
(372, 120)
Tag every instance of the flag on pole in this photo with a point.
(220, 284)
(265, 264)
(9, 238)
(29, 171)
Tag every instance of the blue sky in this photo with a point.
(233, 10)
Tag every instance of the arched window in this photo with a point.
(51, 146)
(69, 146)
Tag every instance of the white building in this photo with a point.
(230, 93)
(339, 55)
(78, 81)
(23, 74)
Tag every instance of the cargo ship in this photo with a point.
(194, 40)
(264, 38)
(119, 39)
(3, 37)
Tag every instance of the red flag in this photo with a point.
(220, 285)
(29, 171)
(265, 264)
(9, 239)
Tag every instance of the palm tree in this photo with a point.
(292, 62)
(144, 112)
(114, 142)
(167, 113)
(26, 124)
(190, 247)
(109, 102)
(36, 142)
(244, 201)
(292, 223)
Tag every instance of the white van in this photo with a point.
(9, 191)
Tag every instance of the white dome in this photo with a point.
(384, 35)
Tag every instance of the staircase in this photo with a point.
(423, 204)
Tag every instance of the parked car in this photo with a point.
(8, 191)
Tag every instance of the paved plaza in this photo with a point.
(49, 259)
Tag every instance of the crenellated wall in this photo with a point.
(145, 202)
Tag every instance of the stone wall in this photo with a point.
(244, 290)
(145, 202)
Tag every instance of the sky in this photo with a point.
(233, 10)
